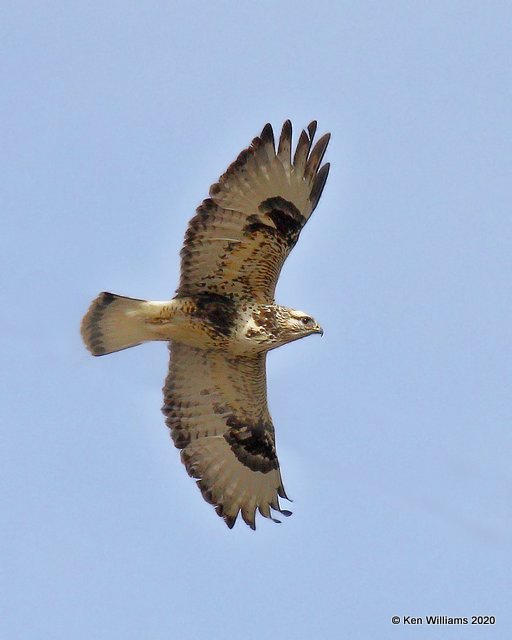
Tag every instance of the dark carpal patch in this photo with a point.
(217, 310)
(253, 444)
(286, 218)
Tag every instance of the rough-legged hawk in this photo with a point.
(224, 319)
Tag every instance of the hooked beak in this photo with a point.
(318, 329)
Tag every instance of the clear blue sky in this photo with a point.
(394, 430)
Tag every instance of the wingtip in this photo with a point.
(285, 142)
(230, 520)
(319, 184)
(312, 129)
(267, 134)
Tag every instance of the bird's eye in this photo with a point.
(305, 320)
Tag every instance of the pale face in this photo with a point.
(270, 326)
(295, 324)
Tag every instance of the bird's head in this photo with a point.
(295, 324)
(271, 326)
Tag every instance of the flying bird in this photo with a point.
(223, 320)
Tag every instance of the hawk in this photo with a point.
(223, 320)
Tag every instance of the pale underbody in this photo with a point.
(176, 320)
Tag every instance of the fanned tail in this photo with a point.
(115, 322)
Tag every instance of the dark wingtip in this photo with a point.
(107, 297)
(230, 520)
(267, 134)
(285, 139)
(282, 494)
(302, 148)
(312, 129)
(319, 184)
(248, 520)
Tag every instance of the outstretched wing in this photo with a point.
(240, 237)
(216, 407)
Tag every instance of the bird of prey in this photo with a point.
(223, 320)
